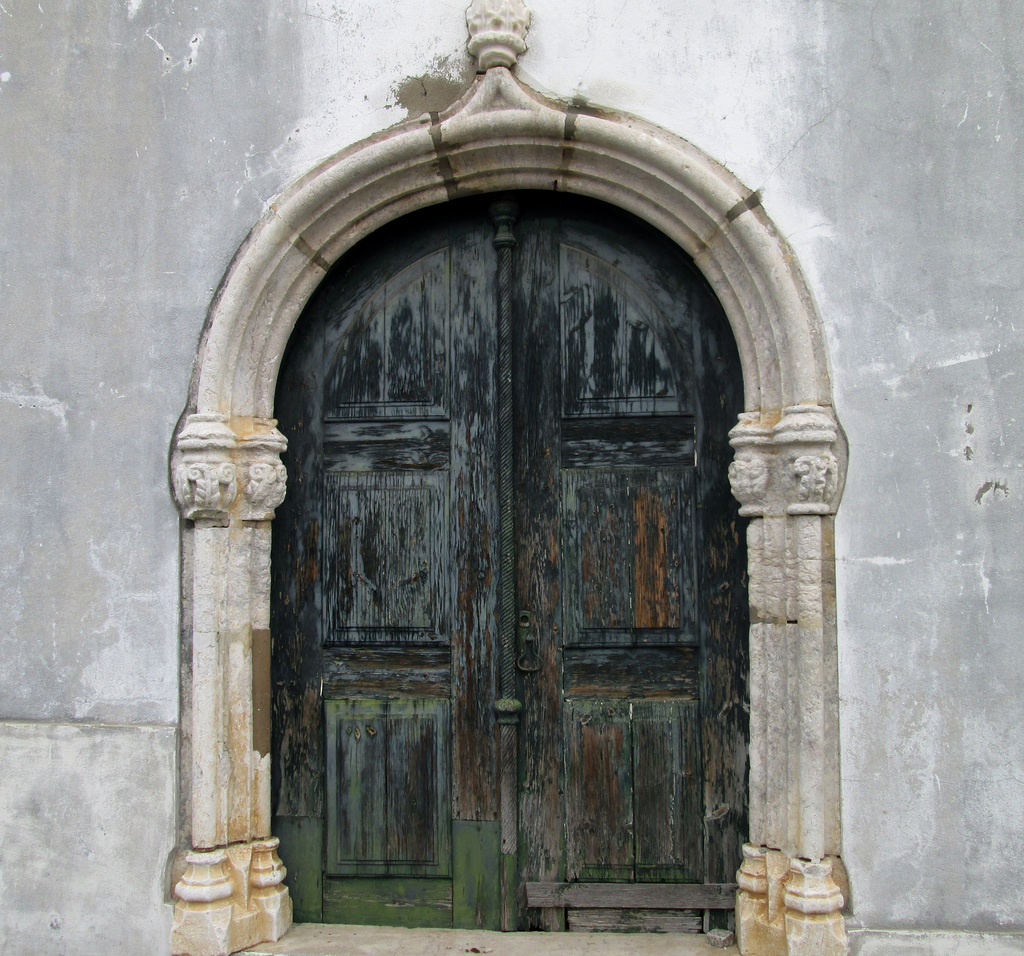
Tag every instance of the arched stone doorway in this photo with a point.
(787, 475)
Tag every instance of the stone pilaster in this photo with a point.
(785, 476)
(228, 478)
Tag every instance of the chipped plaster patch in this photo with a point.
(996, 487)
(33, 396)
(186, 62)
(444, 82)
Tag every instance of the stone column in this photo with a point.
(785, 476)
(228, 479)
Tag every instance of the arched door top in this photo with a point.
(499, 136)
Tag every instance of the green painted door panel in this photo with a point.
(389, 788)
(395, 901)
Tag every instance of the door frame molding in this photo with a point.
(788, 474)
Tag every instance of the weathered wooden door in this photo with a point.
(599, 416)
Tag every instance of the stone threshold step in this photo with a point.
(314, 939)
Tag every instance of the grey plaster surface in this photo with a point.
(316, 940)
(935, 944)
(142, 140)
(926, 358)
(85, 837)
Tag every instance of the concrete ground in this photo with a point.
(313, 939)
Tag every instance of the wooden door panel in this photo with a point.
(632, 673)
(388, 782)
(616, 357)
(668, 787)
(387, 671)
(356, 784)
(417, 799)
(388, 901)
(633, 791)
(391, 350)
(628, 568)
(385, 558)
(665, 441)
(599, 770)
(359, 446)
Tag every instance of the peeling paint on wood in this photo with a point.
(632, 735)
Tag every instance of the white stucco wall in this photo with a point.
(141, 140)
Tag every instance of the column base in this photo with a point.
(269, 894)
(788, 907)
(230, 899)
(816, 935)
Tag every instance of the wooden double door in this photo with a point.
(508, 512)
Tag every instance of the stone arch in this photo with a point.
(787, 476)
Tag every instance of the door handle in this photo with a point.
(527, 661)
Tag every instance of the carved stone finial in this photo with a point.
(497, 31)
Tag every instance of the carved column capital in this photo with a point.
(750, 472)
(497, 31)
(212, 463)
(263, 478)
(816, 478)
(203, 473)
(788, 466)
(805, 437)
